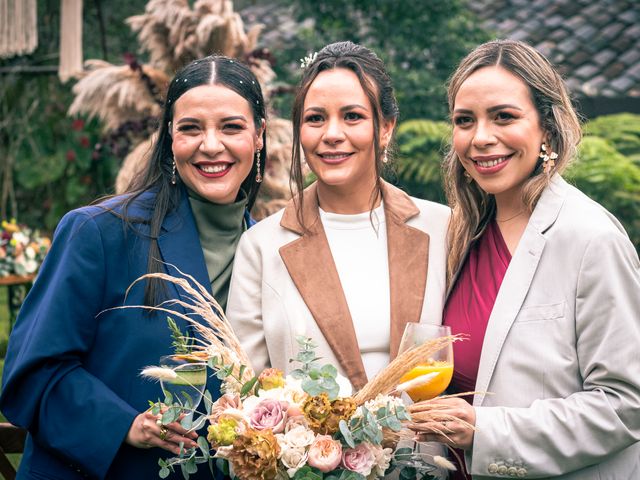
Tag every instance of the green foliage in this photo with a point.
(611, 179)
(421, 147)
(181, 343)
(314, 380)
(420, 43)
(50, 166)
(55, 163)
(621, 130)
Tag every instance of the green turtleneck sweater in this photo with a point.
(219, 229)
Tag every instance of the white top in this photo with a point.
(361, 258)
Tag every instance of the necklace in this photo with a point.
(510, 218)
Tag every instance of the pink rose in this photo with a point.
(360, 459)
(269, 414)
(325, 453)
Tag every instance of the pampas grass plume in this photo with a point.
(159, 373)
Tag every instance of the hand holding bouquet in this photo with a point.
(299, 426)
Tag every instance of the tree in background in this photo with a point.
(421, 43)
(50, 163)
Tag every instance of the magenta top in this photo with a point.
(469, 306)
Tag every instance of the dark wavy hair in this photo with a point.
(375, 82)
(156, 177)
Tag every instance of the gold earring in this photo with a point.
(548, 158)
(258, 174)
(468, 177)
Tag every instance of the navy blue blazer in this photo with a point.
(71, 376)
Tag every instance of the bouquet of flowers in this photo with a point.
(299, 426)
(21, 249)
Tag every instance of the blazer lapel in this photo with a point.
(180, 247)
(517, 281)
(408, 250)
(312, 269)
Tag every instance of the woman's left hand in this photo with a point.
(453, 433)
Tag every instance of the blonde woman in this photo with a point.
(543, 280)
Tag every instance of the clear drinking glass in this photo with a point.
(188, 387)
(439, 367)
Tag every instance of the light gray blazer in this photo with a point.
(561, 354)
(285, 283)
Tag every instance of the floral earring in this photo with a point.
(548, 157)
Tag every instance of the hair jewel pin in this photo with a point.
(548, 158)
(308, 60)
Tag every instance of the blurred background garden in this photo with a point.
(69, 133)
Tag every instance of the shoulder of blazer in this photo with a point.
(583, 216)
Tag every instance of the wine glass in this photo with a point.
(187, 388)
(432, 377)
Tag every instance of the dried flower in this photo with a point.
(443, 463)
(271, 378)
(159, 373)
(341, 409)
(316, 410)
(255, 455)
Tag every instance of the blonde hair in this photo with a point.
(473, 208)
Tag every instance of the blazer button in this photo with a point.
(512, 471)
(502, 469)
(493, 468)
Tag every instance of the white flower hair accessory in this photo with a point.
(308, 60)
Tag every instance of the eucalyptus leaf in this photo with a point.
(329, 370)
(346, 433)
(170, 415)
(208, 401)
(203, 445)
(191, 466)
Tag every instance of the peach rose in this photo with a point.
(325, 453)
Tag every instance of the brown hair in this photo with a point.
(473, 208)
(375, 82)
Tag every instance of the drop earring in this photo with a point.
(173, 173)
(548, 157)
(385, 159)
(258, 174)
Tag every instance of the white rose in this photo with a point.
(299, 437)
(382, 458)
(293, 459)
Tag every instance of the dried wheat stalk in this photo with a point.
(387, 380)
(219, 339)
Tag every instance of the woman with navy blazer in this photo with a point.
(72, 369)
(543, 280)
